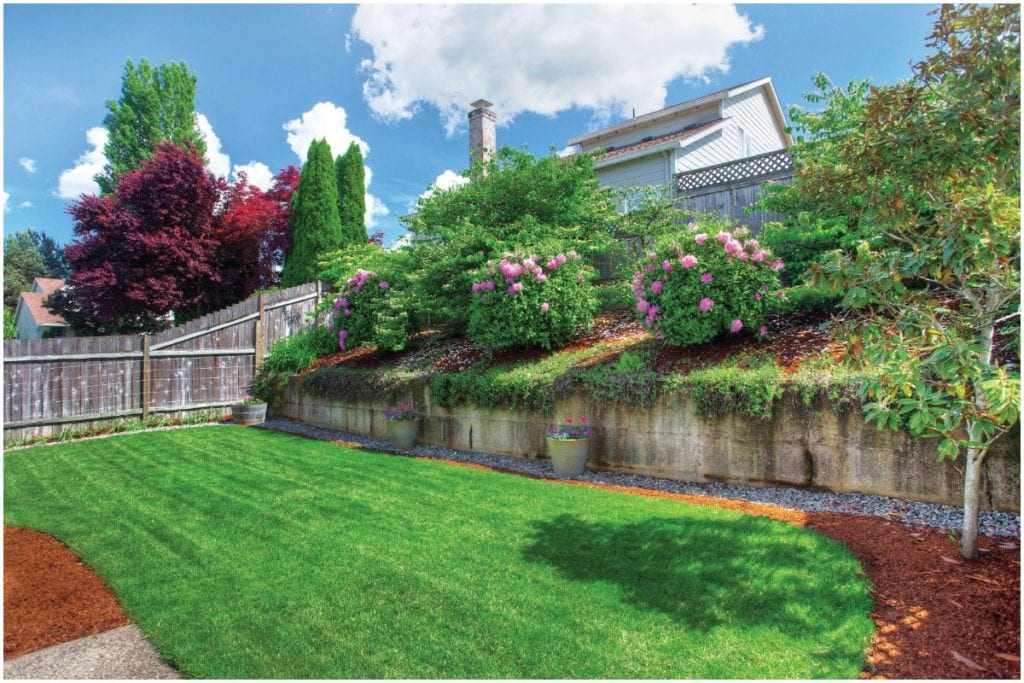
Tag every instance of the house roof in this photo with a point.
(32, 304)
(47, 285)
(700, 102)
(652, 142)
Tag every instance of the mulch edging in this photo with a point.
(50, 595)
(938, 616)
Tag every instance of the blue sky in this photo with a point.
(398, 79)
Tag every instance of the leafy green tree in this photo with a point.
(352, 195)
(521, 204)
(315, 225)
(29, 254)
(10, 329)
(157, 104)
(932, 170)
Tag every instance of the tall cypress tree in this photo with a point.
(156, 104)
(316, 228)
(352, 195)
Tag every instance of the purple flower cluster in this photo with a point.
(516, 269)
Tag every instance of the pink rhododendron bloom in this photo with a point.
(342, 335)
(642, 306)
(736, 326)
(529, 264)
(758, 256)
(666, 265)
(536, 270)
(573, 254)
(560, 259)
(552, 264)
(659, 335)
(723, 237)
(732, 247)
(510, 271)
(656, 286)
(763, 331)
(541, 277)
(330, 326)
(701, 238)
(705, 304)
(780, 294)
(649, 268)
(652, 315)
(384, 286)
(752, 245)
(778, 265)
(688, 261)
(347, 312)
(515, 288)
(706, 278)
(757, 297)
(742, 256)
(544, 307)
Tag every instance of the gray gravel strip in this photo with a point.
(896, 509)
(118, 654)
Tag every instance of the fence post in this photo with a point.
(147, 379)
(319, 292)
(261, 336)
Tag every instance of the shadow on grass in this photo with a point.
(745, 572)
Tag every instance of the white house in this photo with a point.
(32, 318)
(649, 150)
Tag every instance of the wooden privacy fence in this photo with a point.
(728, 189)
(205, 363)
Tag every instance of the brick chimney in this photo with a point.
(482, 139)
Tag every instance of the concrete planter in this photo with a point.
(403, 433)
(568, 456)
(249, 414)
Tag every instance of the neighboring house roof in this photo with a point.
(700, 102)
(32, 304)
(676, 138)
(47, 285)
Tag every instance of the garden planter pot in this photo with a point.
(568, 456)
(403, 433)
(249, 414)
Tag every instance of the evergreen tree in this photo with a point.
(352, 195)
(315, 225)
(29, 254)
(157, 104)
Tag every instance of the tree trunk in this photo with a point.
(972, 503)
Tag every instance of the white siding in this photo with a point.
(648, 171)
(750, 111)
(717, 148)
(655, 129)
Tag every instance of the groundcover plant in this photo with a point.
(245, 553)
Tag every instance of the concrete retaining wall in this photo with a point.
(799, 446)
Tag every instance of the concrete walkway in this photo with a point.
(118, 654)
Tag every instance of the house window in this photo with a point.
(744, 143)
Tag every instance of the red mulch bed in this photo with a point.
(938, 616)
(791, 338)
(50, 595)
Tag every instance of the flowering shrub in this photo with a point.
(571, 430)
(531, 301)
(370, 309)
(702, 285)
(403, 412)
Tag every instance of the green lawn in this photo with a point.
(244, 553)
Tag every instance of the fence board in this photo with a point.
(49, 382)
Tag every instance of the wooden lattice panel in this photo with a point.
(735, 171)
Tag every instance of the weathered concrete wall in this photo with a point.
(799, 446)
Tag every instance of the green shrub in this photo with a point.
(805, 298)
(702, 285)
(721, 389)
(801, 240)
(531, 301)
(297, 353)
(628, 380)
(614, 296)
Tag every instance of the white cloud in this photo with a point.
(25, 205)
(568, 150)
(541, 58)
(4, 196)
(330, 121)
(79, 179)
(325, 120)
(445, 181)
(28, 164)
(256, 173)
(217, 161)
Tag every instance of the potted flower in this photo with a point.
(249, 411)
(403, 424)
(568, 444)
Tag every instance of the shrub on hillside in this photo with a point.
(531, 301)
(705, 284)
